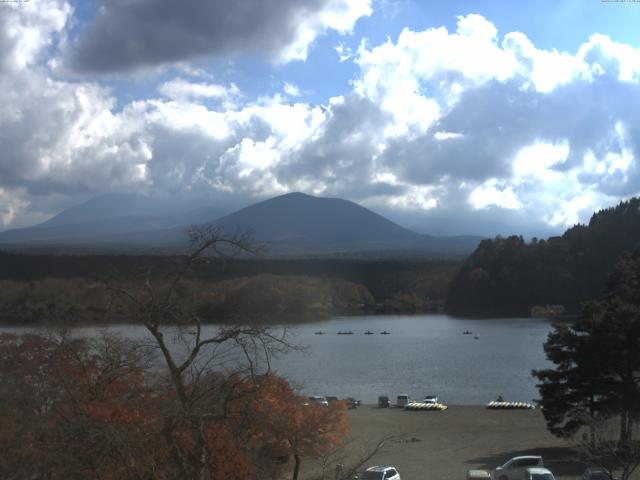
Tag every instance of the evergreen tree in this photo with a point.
(508, 276)
(597, 360)
(573, 394)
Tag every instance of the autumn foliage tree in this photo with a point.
(196, 402)
(74, 408)
(293, 427)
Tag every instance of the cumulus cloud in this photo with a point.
(127, 35)
(181, 90)
(11, 206)
(27, 29)
(58, 135)
(291, 89)
(464, 126)
(508, 125)
(492, 193)
(48, 127)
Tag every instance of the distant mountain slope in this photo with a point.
(105, 207)
(301, 223)
(292, 224)
(296, 217)
(509, 276)
(109, 219)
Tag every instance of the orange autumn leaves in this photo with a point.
(75, 410)
(89, 409)
(281, 416)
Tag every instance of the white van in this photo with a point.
(402, 400)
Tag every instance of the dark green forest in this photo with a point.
(47, 287)
(508, 276)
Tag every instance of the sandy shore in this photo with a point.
(444, 445)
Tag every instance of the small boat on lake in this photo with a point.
(384, 332)
(345, 333)
(319, 333)
(467, 332)
(476, 336)
(368, 332)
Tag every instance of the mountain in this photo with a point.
(509, 276)
(107, 207)
(110, 219)
(292, 224)
(300, 223)
(302, 220)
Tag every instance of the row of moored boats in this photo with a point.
(500, 405)
(494, 405)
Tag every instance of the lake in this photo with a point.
(422, 355)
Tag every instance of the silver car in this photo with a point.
(380, 473)
(515, 468)
(538, 473)
(319, 400)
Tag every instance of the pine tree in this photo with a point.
(597, 360)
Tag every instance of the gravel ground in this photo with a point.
(444, 445)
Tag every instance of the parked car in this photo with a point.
(430, 399)
(319, 400)
(538, 473)
(514, 469)
(383, 401)
(380, 473)
(402, 400)
(352, 402)
(597, 473)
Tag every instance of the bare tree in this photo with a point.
(348, 464)
(604, 448)
(192, 351)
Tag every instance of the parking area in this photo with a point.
(443, 445)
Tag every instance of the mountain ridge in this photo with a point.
(293, 223)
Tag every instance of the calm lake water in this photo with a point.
(422, 355)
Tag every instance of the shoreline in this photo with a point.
(280, 323)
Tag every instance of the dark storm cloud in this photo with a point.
(126, 34)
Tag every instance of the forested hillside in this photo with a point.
(508, 276)
(259, 299)
(44, 288)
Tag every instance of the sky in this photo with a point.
(458, 117)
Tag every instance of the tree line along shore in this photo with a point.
(50, 288)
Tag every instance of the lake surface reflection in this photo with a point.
(422, 355)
